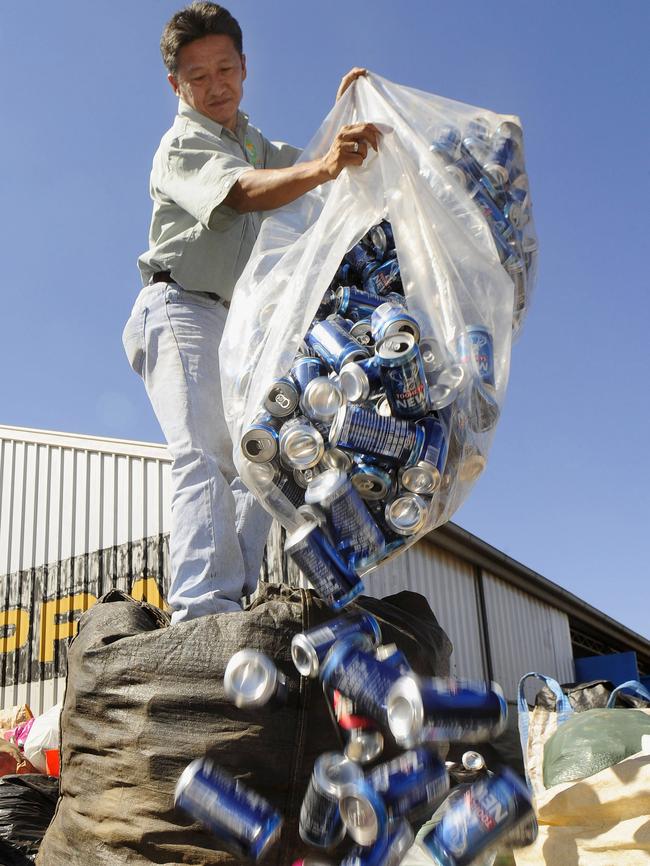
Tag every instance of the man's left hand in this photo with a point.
(347, 80)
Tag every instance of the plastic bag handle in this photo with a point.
(633, 686)
(562, 707)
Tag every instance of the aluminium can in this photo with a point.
(309, 648)
(407, 513)
(362, 332)
(410, 782)
(305, 369)
(356, 304)
(332, 342)
(252, 680)
(427, 710)
(281, 399)
(335, 458)
(364, 745)
(361, 259)
(361, 380)
(385, 278)
(315, 556)
(320, 821)
(402, 375)
(389, 849)
(265, 476)
(245, 822)
(353, 528)
(321, 400)
(362, 430)
(391, 318)
(381, 240)
(371, 482)
(303, 477)
(488, 810)
(301, 444)
(261, 440)
(476, 344)
(351, 668)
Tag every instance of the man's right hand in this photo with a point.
(350, 147)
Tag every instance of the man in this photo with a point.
(213, 176)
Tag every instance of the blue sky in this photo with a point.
(85, 102)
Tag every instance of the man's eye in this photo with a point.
(199, 78)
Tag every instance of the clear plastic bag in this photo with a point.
(450, 180)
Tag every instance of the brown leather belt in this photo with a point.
(166, 277)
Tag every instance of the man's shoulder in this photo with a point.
(186, 133)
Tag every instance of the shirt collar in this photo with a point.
(185, 110)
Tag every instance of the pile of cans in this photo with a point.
(373, 694)
(490, 168)
(372, 426)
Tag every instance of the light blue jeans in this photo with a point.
(218, 529)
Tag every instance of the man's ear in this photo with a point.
(243, 67)
(174, 84)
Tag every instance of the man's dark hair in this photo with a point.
(195, 21)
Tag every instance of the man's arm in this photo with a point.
(266, 189)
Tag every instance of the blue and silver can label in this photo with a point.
(389, 849)
(332, 342)
(354, 303)
(305, 369)
(330, 576)
(352, 526)
(244, 821)
(385, 278)
(351, 668)
(361, 259)
(402, 375)
(394, 440)
(413, 779)
(476, 343)
(320, 821)
(309, 648)
(485, 813)
(434, 447)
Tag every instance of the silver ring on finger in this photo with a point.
(356, 147)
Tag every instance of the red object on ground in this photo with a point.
(53, 762)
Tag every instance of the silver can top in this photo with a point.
(304, 656)
(321, 399)
(473, 761)
(250, 678)
(303, 477)
(364, 745)
(470, 466)
(301, 445)
(394, 346)
(324, 485)
(407, 514)
(447, 387)
(405, 711)
(360, 817)
(354, 382)
(259, 445)
(335, 458)
(262, 475)
(433, 356)
(422, 478)
(281, 399)
(362, 332)
(335, 774)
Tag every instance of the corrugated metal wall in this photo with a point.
(63, 497)
(525, 635)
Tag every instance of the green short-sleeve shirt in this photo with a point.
(204, 243)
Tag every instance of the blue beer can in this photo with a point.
(332, 342)
(320, 822)
(427, 710)
(327, 305)
(477, 344)
(329, 575)
(305, 369)
(393, 440)
(489, 809)
(356, 534)
(360, 380)
(355, 304)
(381, 241)
(371, 482)
(435, 445)
(392, 318)
(385, 278)
(268, 475)
(245, 822)
(361, 259)
(261, 440)
(446, 142)
(309, 648)
(352, 668)
(402, 375)
(389, 849)
(404, 786)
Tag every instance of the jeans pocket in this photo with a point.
(133, 339)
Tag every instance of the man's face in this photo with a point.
(210, 78)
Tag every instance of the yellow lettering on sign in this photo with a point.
(58, 621)
(15, 625)
(147, 589)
